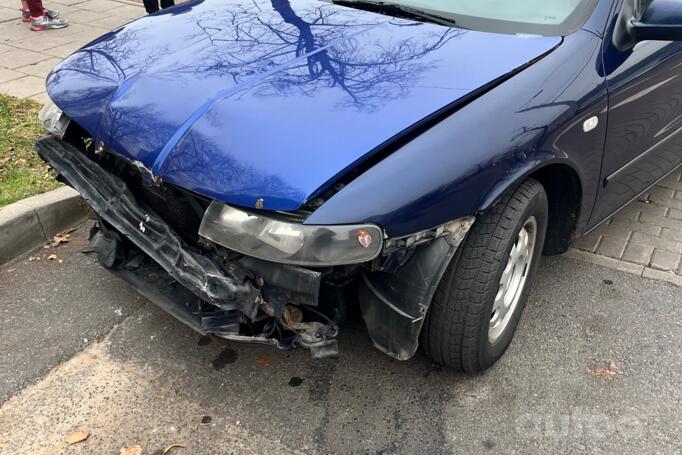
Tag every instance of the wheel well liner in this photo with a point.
(564, 196)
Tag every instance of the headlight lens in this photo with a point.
(286, 242)
(53, 119)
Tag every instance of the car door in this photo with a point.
(644, 135)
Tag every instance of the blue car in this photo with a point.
(264, 169)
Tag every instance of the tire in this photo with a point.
(472, 318)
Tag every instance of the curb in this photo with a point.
(33, 221)
(627, 267)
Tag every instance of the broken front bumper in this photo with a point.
(213, 294)
(189, 285)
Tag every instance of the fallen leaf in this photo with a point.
(33, 258)
(264, 360)
(76, 437)
(609, 373)
(52, 257)
(174, 446)
(135, 449)
(59, 239)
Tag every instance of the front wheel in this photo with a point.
(479, 301)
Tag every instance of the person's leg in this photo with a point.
(151, 6)
(35, 7)
(26, 12)
(167, 3)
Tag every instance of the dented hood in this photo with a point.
(243, 100)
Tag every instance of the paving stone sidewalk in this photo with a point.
(26, 57)
(648, 232)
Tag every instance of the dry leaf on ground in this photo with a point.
(76, 437)
(135, 449)
(52, 257)
(59, 239)
(176, 445)
(33, 258)
(264, 360)
(62, 237)
(609, 373)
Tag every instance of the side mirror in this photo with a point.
(661, 20)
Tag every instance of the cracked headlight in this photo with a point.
(54, 120)
(291, 243)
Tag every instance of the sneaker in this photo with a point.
(47, 23)
(26, 14)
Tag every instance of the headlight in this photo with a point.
(291, 243)
(54, 120)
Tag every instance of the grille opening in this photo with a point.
(182, 210)
(179, 208)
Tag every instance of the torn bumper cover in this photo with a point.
(395, 300)
(210, 298)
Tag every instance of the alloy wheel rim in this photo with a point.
(513, 279)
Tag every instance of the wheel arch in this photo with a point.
(565, 195)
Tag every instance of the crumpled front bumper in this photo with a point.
(112, 200)
(216, 297)
(181, 280)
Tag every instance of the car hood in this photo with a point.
(272, 99)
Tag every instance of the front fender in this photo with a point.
(461, 165)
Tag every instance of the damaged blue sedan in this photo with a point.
(260, 168)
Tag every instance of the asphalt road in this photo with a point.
(153, 382)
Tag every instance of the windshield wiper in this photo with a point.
(396, 9)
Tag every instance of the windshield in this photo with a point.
(535, 17)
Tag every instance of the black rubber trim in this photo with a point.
(112, 200)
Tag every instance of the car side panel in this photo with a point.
(460, 166)
(644, 138)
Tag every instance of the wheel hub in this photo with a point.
(513, 279)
